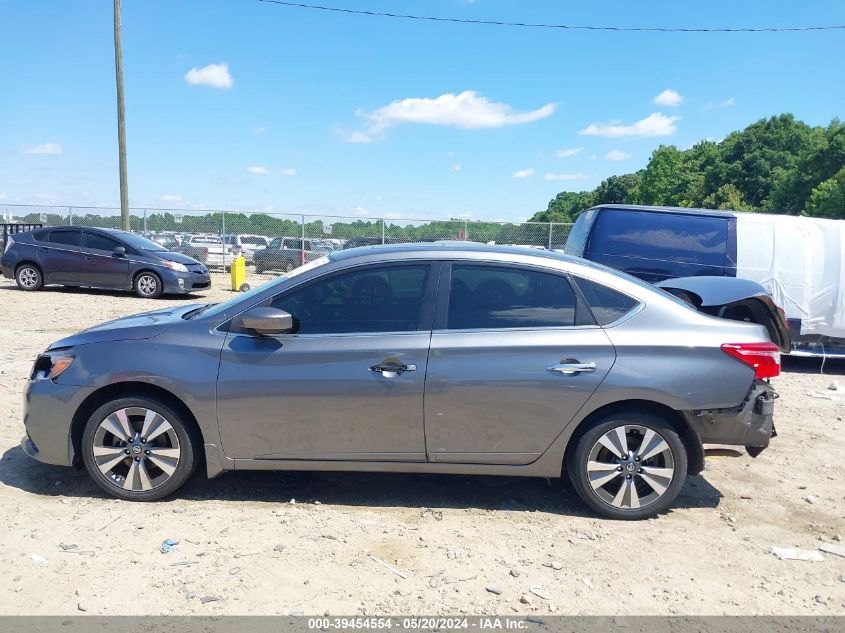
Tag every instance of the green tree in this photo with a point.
(727, 197)
(828, 199)
(665, 180)
(565, 205)
(618, 189)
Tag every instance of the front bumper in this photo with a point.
(184, 283)
(48, 415)
(751, 424)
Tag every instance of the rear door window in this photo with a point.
(687, 238)
(494, 297)
(66, 237)
(606, 304)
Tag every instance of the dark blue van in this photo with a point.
(656, 243)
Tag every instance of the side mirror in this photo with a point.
(120, 251)
(267, 321)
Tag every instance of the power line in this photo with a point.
(566, 27)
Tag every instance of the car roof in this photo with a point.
(658, 209)
(450, 249)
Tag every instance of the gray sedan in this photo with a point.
(437, 358)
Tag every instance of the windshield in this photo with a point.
(244, 298)
(141, 243)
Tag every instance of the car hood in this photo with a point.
(135, 327)
(175, 257)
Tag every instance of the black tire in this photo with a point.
(598, 499)
(289, 266)
(29, 277)
(259, 269)
(148, 285)
(188, 444)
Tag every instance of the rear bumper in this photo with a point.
(751, 424)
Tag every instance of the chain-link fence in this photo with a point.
(202, 233)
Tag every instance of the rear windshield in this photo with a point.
(695, 239)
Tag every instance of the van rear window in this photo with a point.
(695, 239)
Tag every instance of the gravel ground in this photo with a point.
(314, 543)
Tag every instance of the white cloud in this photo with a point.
(214, 75)
(456, 167)
(727, 103)
(656, 124)
(170, 197)
(52, 149)
(359, 137)
(523, 173)
(669, 97)
(568, 153)
(467, 110)
(578, 176)
(288, 172)
(616, 154)
(259, 130)
(262, 171)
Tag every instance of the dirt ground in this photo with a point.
(307, 543)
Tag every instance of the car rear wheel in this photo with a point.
(148, 285)
(289, 266)
(138, 449)
(628, 466)
(28, 277)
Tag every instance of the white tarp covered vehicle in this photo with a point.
(801, 263)
(794, 263)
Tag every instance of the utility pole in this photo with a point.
(121, 123)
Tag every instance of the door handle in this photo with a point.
(570, 369)
(392, 369)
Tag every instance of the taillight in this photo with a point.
(764, 358)
(303, 256)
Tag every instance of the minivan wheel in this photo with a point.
(148, 285)
(628, 466)
(138, 449)
(28, 277)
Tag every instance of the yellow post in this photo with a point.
(239, 274)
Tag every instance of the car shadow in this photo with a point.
(524, 494)
(100, 292)
(811, 365)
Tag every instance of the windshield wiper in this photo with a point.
(197, 311)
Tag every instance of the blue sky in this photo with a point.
(299, 111)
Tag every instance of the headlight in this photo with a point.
(50, 366)
(179, 268)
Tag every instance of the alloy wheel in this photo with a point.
(136, 449)
(28, 277)
(147, 285)
(630, 467)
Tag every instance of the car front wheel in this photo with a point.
(148, 286)
(28, 277)
(138, 449)
(628, 465)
